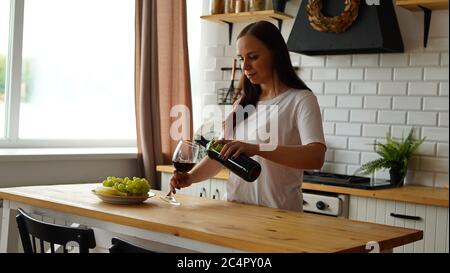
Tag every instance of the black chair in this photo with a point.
(53, 234)
(121, 246)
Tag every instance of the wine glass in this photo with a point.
(184, 158)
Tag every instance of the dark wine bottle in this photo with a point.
(243, 166)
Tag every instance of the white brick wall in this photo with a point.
(407, 103)
(435, 104)
(427, 148)
(380, 74)
(339, 61)
(365, 60)
(436, 134)
(361, 144)
(324, 74)
(392, 88)
(364, 88)
(423, 88)
(422, 118)
(377, 102)
(442, 149)
(335, 115)
(351, 74)
(443, 119)
(348, 129)
(392, 117)
(409, 74)
(365, 96)
(434, 73)
(363, 116)
(339, 87)
(326, 101)
(349, 102)
(371, 130)
(443, 89)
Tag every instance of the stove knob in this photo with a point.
(321, 205)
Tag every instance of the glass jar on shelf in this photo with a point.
(257, 5)
(217, 6)
(230, 6)
(241, 6)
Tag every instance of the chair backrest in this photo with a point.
(52, 234)
(121, 246)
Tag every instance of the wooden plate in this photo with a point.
(123, 200)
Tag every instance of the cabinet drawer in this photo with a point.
(432, 220)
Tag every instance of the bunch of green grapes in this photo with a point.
(133, 187)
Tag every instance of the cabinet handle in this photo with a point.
(203, 191)
(409, 217)
(217, 193)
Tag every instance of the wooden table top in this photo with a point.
(238, 226)
(409, 193)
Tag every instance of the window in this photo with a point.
(76, 82)
(4, 27)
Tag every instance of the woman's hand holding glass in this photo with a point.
(180, 180)
(185, 156)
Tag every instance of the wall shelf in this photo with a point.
(417, 4)
(426, 6)
(231, 18)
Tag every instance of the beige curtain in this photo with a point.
(161, 79)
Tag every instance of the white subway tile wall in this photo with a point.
(364, 88)
(365, 60)
(443, 89)
(339, 61)
(339, 88)
(423, 88)
(392, 88)
(444, 59)
(360, 144)
(364, 97)
(380, 74)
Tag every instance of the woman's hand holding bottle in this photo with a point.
(232, 148)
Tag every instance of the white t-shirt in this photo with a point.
(299, 123)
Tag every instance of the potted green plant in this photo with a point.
(394, 156)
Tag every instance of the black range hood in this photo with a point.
(375, 30)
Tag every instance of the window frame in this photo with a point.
(13, 80)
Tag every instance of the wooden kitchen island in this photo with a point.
(200, 224)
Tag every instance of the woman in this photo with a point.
(269, 80)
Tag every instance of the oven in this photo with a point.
(325, 203)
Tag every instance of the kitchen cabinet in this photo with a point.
(433, 220)
(218, 189)
(211, 188)
(241, 17)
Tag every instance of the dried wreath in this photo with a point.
(335, 24)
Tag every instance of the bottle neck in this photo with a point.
(202, 141)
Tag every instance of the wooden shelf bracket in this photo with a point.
(426, 24)
(230, 30)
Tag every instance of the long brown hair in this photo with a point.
(271, 37)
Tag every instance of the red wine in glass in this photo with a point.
(183, 167)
